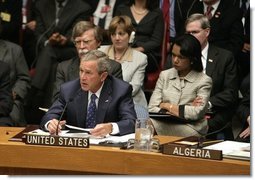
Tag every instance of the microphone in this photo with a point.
(63, 112)
(203, 136)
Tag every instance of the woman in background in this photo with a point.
(133, 62)
(178, 87)
(147, 19)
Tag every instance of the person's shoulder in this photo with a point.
(67, 62)
(169, 72)
(223, 52)
(71, 84)
(103, 48)
(118, 82)
(10, 45)
(204, 76)
(138, 53)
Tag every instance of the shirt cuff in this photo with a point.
(210, 105)
(115, 129)
(46, 125)
(46, 42)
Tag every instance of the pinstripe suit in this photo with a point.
(170, 88)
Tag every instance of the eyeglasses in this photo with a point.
(194, 32)
(86, 42)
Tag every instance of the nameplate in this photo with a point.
(50, 140)
(189, 151)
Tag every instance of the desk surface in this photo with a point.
(20, 158)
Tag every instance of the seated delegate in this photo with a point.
(96, 100)
(178, 88)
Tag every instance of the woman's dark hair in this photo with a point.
(190, 47)
(150, 4)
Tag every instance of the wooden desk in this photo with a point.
(20, 158)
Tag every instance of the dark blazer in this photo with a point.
(69, 70)
(226, 25)
(221, 67)
(6, 101)
(149, 31)
(74, 11)
(115, 105)
(13, 55)
(180, 14)
(148, 34)
(19, 78)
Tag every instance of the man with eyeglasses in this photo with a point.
(226, 25)
(86, 36)
(220, 65)
(97, 100)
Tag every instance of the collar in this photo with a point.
(128, 56)
(191, 76)
(215, 6)
(205, 51)
(97, 93)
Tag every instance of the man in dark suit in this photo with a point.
(226, 25)
(55, 20)
(114, 112)
(220, 65)
(86, 37)
(12, 54)
(6, 100)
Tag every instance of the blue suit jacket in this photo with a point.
(115, 105)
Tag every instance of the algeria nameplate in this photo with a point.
(35, 139)
(189, 151)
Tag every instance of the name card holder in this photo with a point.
(52, 140)
(188, 147)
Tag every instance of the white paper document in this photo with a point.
(232, 149)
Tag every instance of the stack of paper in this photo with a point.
(233, 149)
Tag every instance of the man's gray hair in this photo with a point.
(101, 58)
(204, 21)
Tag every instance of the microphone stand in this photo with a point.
(203, 136)
(62, 115)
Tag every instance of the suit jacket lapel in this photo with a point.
(211, 60)
(81, 103)
(104, 100)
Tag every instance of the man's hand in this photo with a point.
(53, 124)
(57, 39)
(101, 130)
(246, 133)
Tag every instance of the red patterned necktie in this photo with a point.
(209, 12)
